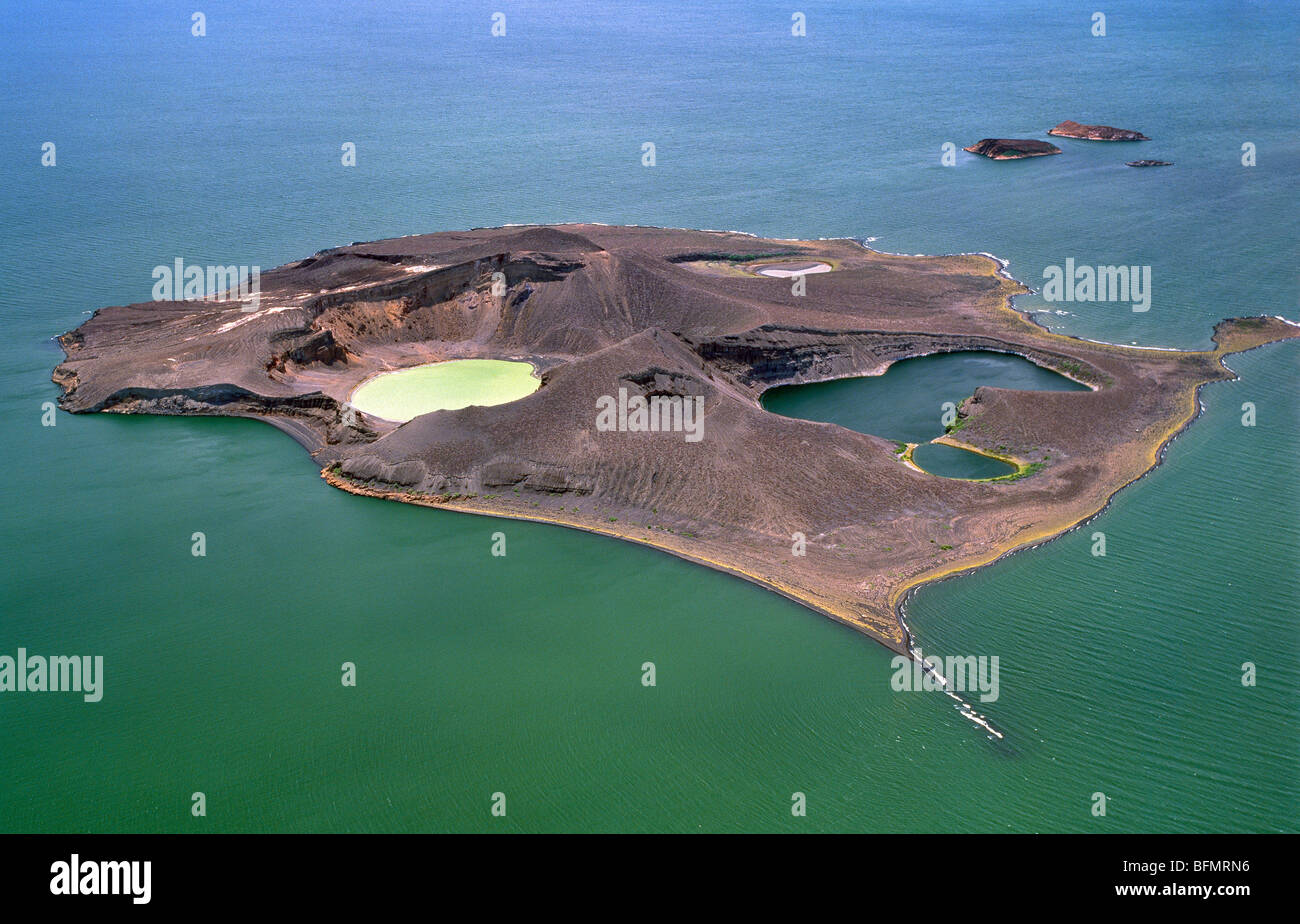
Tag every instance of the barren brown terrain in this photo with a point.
(667, 312)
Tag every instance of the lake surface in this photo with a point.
(907, 402)
(521, 674)
(445, 386)
(954, 462)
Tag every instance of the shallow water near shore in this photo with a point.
(521, 674)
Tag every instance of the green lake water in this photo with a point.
(907, 403)
(522, 674)
(445, 386)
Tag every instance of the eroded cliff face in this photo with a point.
(628, 313)
(773, 355)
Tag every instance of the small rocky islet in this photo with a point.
(696, 325)
(1021, 148)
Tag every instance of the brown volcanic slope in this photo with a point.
(663, 311)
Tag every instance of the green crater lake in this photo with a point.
(446, 386)
(906, 403)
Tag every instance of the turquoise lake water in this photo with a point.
(479, 674)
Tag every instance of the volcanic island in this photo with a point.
(837, 520)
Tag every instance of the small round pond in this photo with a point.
(445, 386)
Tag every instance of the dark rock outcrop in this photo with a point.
(1071, 129)
(1012, 148)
